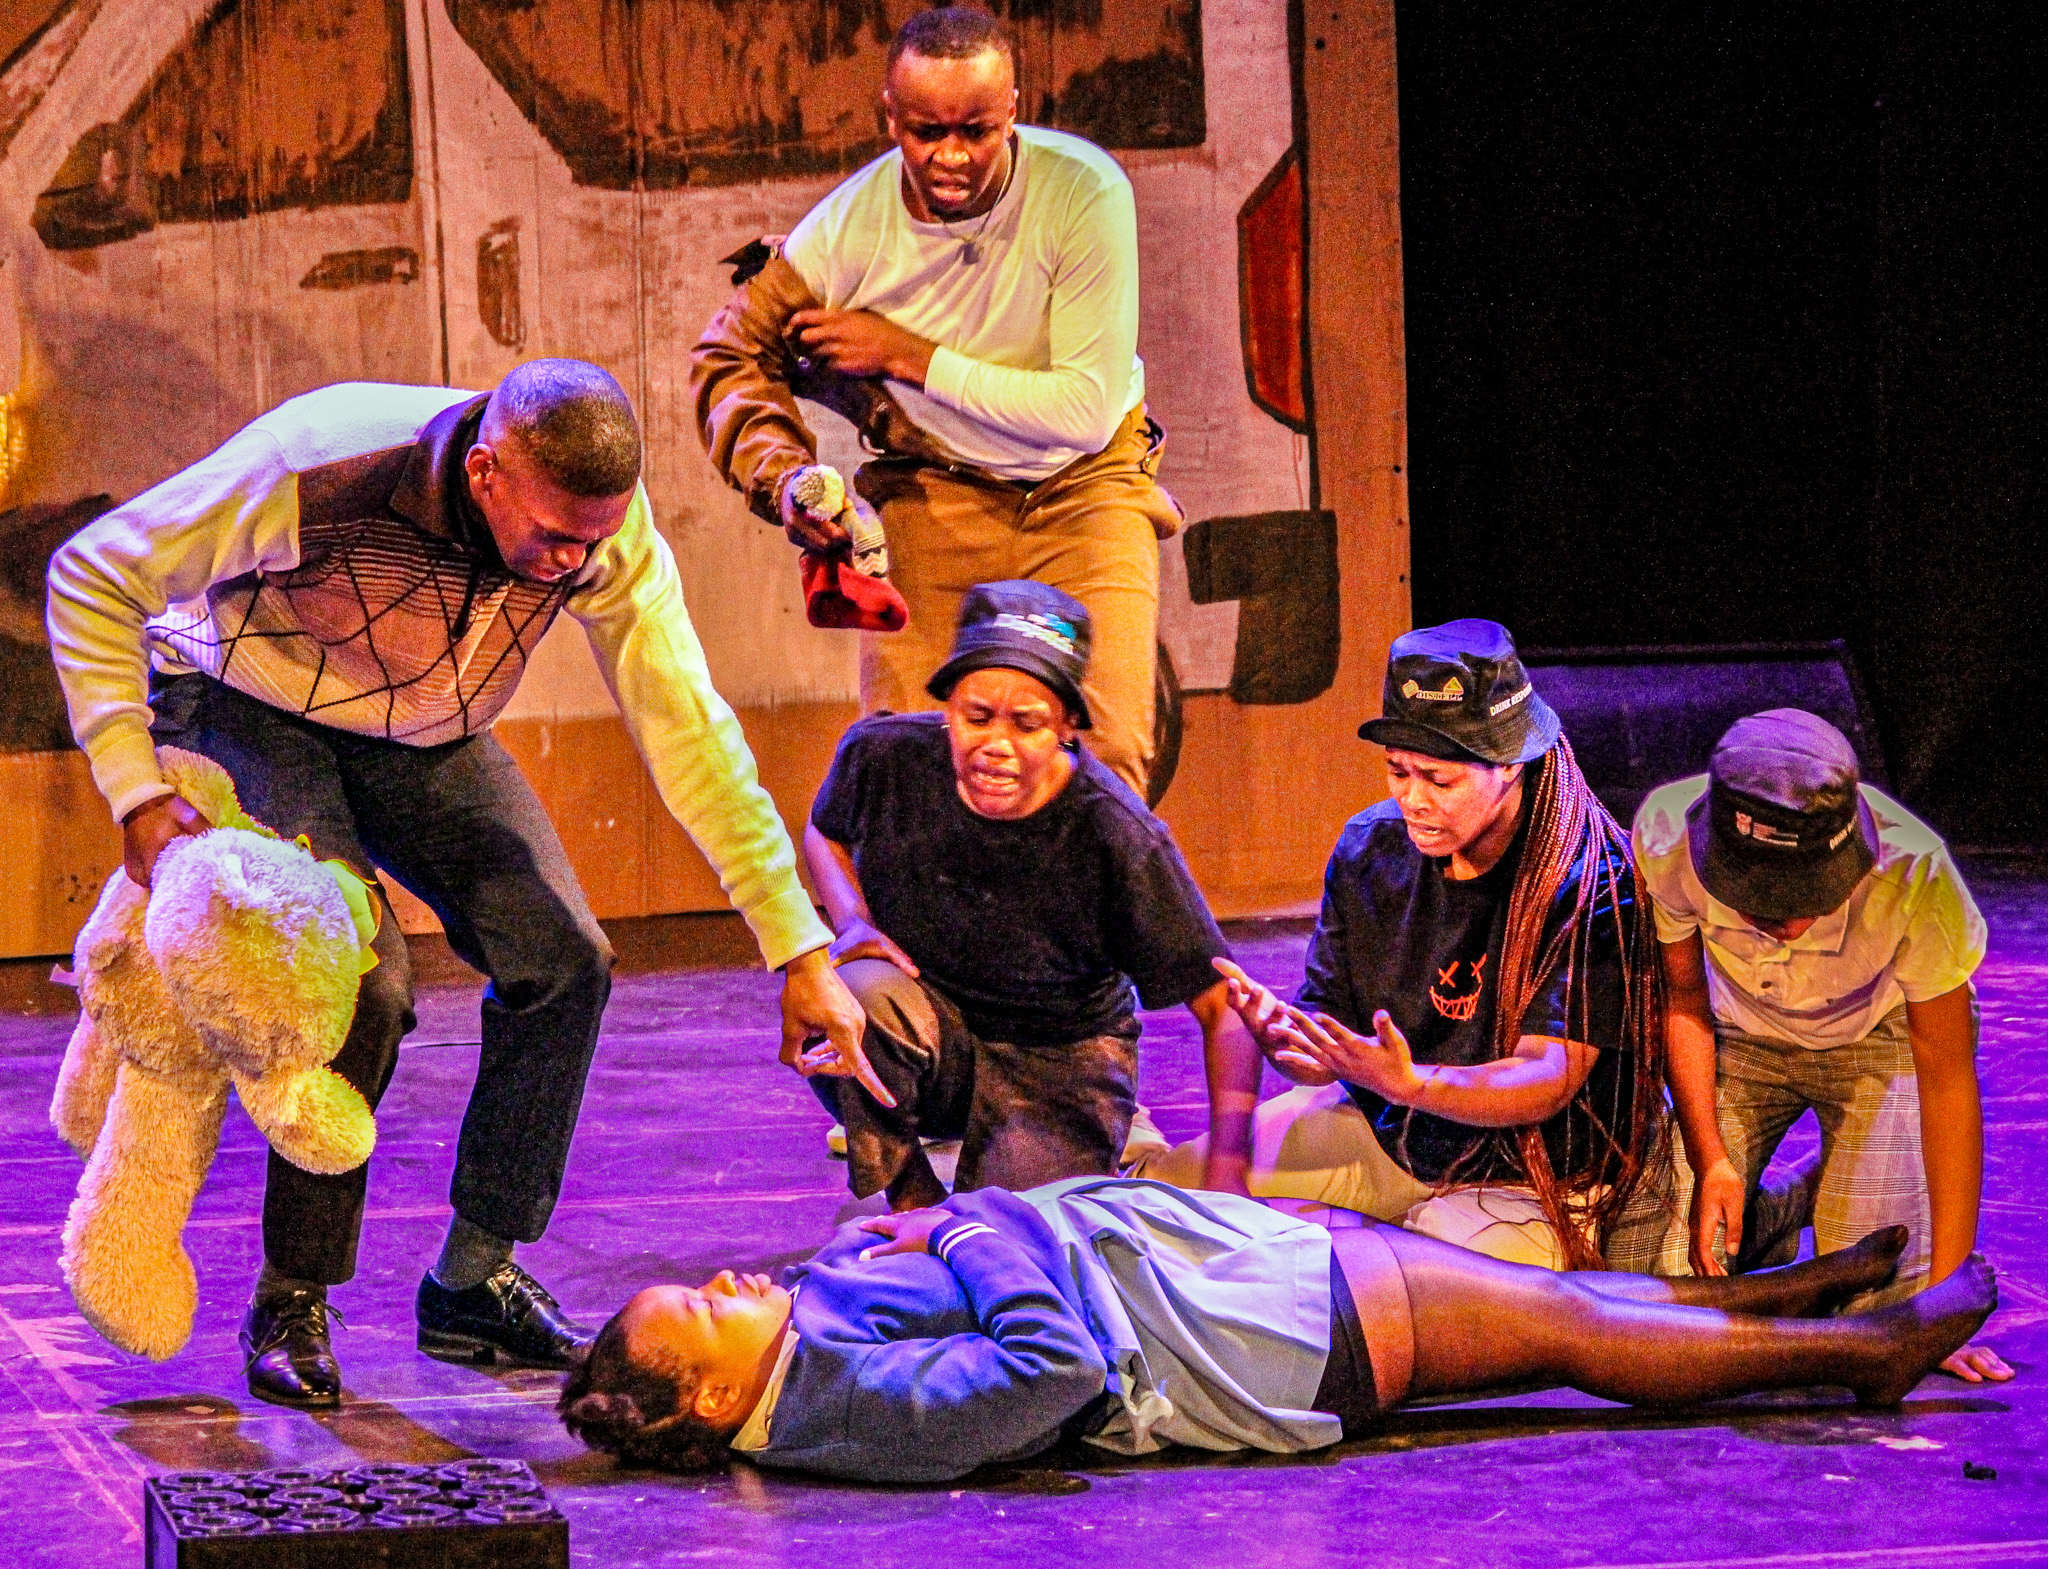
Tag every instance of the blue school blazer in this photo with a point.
(919, 1367)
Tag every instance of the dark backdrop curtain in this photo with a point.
(1724, 325)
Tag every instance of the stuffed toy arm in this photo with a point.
(103, 953)
(314, 1118)
(85, 1083)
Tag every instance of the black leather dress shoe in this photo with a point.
(506, 1317)
(287, 1356)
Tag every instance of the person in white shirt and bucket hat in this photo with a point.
(1818, 947)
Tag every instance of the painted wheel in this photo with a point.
(1166, 728)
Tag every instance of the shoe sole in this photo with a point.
(469, 1351)
(321, 1403)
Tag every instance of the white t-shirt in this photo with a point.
(1909, 933)
(1038, 340)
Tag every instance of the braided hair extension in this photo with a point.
(1568, 831)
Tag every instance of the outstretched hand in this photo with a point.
(1313, 1048)
(1717, 1203)
(1379, 1062)
(1974, 1364)
(1269, 1021)
(822, 1025)
(908, 1232)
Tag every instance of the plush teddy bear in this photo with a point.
(239, 965)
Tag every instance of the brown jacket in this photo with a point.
(745, 377)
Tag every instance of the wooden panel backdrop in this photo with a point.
(207, 206)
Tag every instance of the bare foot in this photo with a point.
(1915, 1335)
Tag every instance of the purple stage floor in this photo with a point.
(697, 1150)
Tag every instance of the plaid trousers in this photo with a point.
(1866, 1097)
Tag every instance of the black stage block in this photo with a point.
(471, 1514)
(1641, 717)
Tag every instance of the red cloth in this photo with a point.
(837, 596)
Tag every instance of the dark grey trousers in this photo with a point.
(1024, 1114)
(458, 826)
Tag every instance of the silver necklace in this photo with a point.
(970, 248)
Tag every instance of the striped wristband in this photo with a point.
(951, 1233)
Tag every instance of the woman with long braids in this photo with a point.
(1477, 1033)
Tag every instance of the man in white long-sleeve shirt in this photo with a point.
(334, 606)
(970, 300)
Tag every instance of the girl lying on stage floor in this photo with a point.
(915, 1347)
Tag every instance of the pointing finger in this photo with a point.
(867, 1078)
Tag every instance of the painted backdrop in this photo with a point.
(207, 207)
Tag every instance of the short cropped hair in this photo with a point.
(576, 421)
(639, 1413)
(951, 32)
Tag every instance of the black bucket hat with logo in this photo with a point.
(1021, 625)
(1459, 692)
(1783, 831)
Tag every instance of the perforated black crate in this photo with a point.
(470, 1514)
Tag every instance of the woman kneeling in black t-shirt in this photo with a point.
(1476, 1032)
(997, 892)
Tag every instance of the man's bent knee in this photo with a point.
(384, 1004)
(570, 964)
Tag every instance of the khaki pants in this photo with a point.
(1093, 530)
(1315, 1146)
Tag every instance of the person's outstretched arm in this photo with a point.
(1230, 1062)
(631, 607)
(1536, 1081)
(855, 935)
(1944, 1035)
(928, 1410)
(746, 411)
(1690, 1068)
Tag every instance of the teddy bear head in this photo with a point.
(233, 904)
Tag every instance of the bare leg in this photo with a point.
(1810, 1290)
(1480, 1323)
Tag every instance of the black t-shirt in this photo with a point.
(1397, 932)
(1036, 928)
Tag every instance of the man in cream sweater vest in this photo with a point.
(970, 301)
(334, 606)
